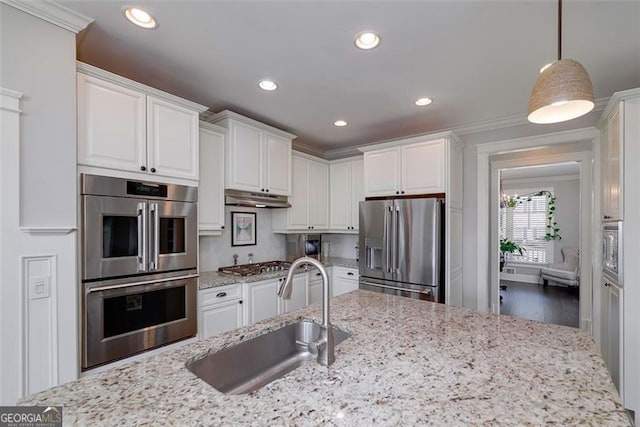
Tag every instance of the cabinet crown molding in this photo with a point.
(212, 127)
(227, 114)
(613, 101)
(410, 140)
(53, 13)
(93, 71)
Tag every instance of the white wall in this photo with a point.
(38, 181)
(216, 251)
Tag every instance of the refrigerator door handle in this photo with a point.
(388, 212)
(396, 238)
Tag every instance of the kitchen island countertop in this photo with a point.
(407, 362)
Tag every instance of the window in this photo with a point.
(526, 225)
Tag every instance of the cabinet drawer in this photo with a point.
(220, 294)
(346, 273)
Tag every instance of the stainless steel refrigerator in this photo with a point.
(401, 247)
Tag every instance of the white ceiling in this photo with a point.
(478, 60)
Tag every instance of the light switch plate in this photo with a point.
(39, 287)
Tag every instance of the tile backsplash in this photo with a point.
(341, 245)
(216, 251)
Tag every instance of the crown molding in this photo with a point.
(525, 143)
(614, 100)
(230, 115)
(53, 13)
(308, 149)
(92, 71)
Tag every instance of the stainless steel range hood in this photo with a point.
(255, 200)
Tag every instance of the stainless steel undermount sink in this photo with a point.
(247, 366)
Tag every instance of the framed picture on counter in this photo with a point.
(243, 228)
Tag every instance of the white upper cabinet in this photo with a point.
(417, 168)
(277, 168)
(612, 165)
(111, 125)
(172, 135)
(258, 155)
(245, 157)
(211, 189)
(127, 126)
(309, 197)
(346, 191)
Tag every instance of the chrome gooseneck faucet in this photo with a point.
(323, 346)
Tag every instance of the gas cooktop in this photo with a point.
(255, 268)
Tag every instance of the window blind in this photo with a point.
(526, 225)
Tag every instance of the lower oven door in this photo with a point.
(425, 293)
(124, 319)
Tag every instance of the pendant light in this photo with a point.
(563, 91)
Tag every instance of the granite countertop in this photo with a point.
(213, 279)
(407, 362)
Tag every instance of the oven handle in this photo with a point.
(146, 282)
(430, 293)
(156, 235)
(142, 237)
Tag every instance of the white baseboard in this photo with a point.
(526, 278)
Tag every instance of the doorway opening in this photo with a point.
(539, 231)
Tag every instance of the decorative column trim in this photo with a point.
(52, 12)
(10, 100)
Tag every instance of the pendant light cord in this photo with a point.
(559, 30)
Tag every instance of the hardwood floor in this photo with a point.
(550, 304)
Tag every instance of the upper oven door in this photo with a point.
(114, 232)
(173, 235)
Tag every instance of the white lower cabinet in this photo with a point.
(299, 294)
(220, 310)
(344, 280)
(611, 318)
(262, 300)
(315, 286)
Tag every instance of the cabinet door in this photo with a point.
(614, 324)
(382, 172)
(423, 166)
(172, 139)
(299, 294)
(219, 318)
(615, 135)
(357, 191)
(111, 125)
(211, 188)
(298, 213)
(244, 151)
(340, 190)
(318, 195)
(261, 300)
(315, 287)
(278, 165)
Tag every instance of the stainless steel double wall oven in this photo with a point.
(139, 266)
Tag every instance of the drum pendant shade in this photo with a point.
(563, 91)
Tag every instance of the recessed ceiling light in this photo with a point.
(267, 85)
(423, 101)
(367, 40)
(140, 17)
(340, 123)
(545, 67)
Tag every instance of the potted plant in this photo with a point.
(507, 246)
